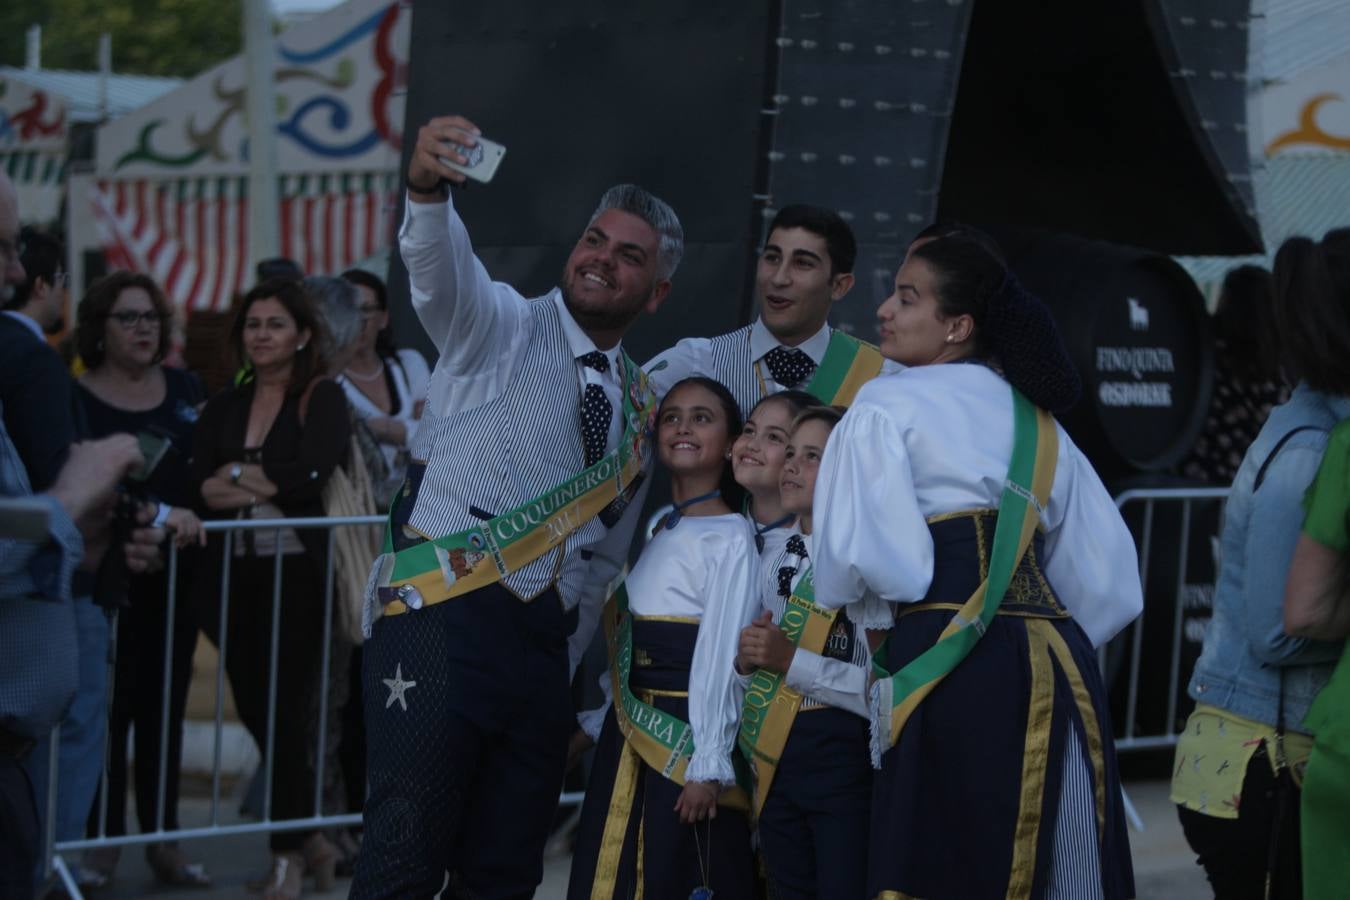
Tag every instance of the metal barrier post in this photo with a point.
(1137, 645)
(1174, 673)
(221, 644)
(170, 608)
(325, 656)
(270, 753)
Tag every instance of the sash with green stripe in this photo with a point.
(665, 742)
(848, 364)
(1026, 491)
(771, 705)
(467, 560)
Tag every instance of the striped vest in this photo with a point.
(484, 461)
(733, 367)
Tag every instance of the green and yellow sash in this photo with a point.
(848, 364)
(1025, 493)
(665, 742)
(771, 704)
(476, 557)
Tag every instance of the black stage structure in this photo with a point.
(1093, 139)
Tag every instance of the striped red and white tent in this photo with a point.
(168, 195)
(191, 234)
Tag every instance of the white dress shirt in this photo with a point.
(703, 569)
(820, 679)
(480, 328)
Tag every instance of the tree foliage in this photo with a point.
(149, 37)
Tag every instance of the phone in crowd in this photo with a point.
(484, 157)
(154, 447)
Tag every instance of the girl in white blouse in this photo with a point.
(1003, 779)
(816, 789)
(659, 820)
(757, 461)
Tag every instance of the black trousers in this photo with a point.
(1235, 853)
(138, 699)
(299, 657)
(468, 713)
(814, 827)
(20, 841)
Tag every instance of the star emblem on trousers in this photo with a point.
(397, 686)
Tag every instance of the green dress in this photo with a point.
(1326, 787)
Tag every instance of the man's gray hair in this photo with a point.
(655, 212)
(338, 305)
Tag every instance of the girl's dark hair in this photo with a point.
(1312, 310)
(384, 341)
(91, 316)
(796, 401)
(309, 361)
(1013, 329)
(1245, 320)
(732, 493)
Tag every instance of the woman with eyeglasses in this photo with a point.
(386, 387)
(122, 334)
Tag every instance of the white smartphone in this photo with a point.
(484, 157)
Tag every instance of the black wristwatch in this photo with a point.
(440, 189)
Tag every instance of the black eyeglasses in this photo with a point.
(130, 320)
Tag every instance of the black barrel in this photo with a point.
(1135, 325)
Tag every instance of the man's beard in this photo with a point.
(600, 320)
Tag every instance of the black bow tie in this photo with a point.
(789, 367)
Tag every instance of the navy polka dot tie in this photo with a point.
(797, 547)
(596, 410)
(789, 367)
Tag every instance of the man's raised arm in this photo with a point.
(471, 319)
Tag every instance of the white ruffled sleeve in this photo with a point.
(1090, 557)
(841, 684)
(868, 530)
(715, 690)
(592, 720)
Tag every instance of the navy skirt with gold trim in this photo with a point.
(631, 843)
(968, 804)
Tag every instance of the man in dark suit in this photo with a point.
(35, 388)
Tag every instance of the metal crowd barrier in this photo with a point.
(1130, 740)
(215, 828)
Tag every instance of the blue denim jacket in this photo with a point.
(1245, 645)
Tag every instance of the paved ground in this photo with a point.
(1164, 866)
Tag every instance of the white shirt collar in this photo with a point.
(28, 321)
(762, 341)
(578, 340)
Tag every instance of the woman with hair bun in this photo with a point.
(949, 491)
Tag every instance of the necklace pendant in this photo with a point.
(701, 893)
